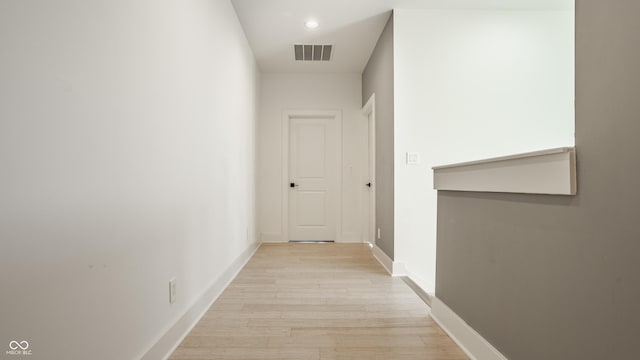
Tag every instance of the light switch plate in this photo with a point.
(172, 290)
(413, 158)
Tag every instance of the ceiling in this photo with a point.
(352, 26)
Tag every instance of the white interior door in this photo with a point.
(369, 201)
(366, 184)
(313, 190)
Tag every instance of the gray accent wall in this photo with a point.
(377, 78)
(558, 277)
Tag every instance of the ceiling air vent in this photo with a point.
(312, 52)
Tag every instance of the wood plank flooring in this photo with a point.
(317, 301)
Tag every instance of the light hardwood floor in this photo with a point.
(317, 301)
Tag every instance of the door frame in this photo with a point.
(370, 150)
(336, 115)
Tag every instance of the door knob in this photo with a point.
(292, 185)
(368, 184)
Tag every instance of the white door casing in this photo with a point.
(312, 162)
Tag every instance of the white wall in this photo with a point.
(127, 133)
(318, 91)
(471, 85)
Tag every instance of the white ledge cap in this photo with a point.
(508, 157)
(550, 171)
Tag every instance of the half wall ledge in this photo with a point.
(551, 172)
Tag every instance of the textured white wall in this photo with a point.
(471, 85)
(127, 133)
(309, 92)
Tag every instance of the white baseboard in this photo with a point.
(473, 344)
(422, 284)
(351, 237)
(271, 238)
(394, 268)
(169, 341)
(399, 269)
(383, 259)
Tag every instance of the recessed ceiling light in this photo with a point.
(311, 24)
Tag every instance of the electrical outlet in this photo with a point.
(378, 233)
(172, 290)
